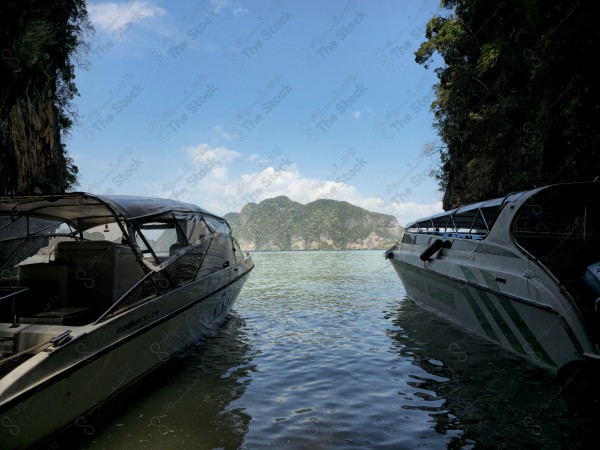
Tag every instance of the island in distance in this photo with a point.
(282, 224)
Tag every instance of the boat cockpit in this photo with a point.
(81, 259)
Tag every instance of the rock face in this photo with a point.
(282, 224)
(39, 42)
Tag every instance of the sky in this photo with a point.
(222, 103)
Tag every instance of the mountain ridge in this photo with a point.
(279, 223)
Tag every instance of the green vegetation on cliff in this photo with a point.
(282, 224)
(517, 102)
(39, 43)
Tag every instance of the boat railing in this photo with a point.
(9, 293)
(466, 222)
(126, 296)
(171, 274)
(459, 233)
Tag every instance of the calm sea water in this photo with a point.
(324, 351)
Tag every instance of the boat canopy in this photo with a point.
(570, 203)
(471, 220)
(559, 201)
(85, 211)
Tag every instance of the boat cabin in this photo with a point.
(77, 258)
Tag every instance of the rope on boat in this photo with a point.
(18, 355)
(56, 340)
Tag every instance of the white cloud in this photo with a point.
(228, 133)
(285, 179)
(356, 114)
(405, 212)
(206, 180)
(417, 210)
(116, 17)
(203, 164)
(219, 5)
(239, 10)
(206, 154)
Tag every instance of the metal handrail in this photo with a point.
(13, 294)
(123, 297)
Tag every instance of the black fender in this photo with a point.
(433, 248)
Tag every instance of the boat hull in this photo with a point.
(103, 360)
(520, 270)
(530, 329)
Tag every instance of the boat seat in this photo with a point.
(99, 272)
(47, 285)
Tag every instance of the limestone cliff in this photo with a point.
(282, 224)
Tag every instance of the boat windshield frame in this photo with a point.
(473, 221)
(78, 213)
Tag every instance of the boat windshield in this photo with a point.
(33, 240)
(161, 237)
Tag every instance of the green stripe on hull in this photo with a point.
(465, 292)
(535, 349)
(495, 313)
(504, 327)
(526, 345)
(481, 317)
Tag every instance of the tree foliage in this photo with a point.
(38, 42)
(517, 101)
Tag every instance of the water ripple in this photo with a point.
(324, 351)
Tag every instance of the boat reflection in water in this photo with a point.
(485, 396)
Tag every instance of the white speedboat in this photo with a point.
(97, 291)
(522, 271)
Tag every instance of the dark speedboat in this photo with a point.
(97, 291)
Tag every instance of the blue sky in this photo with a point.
(222, 103)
